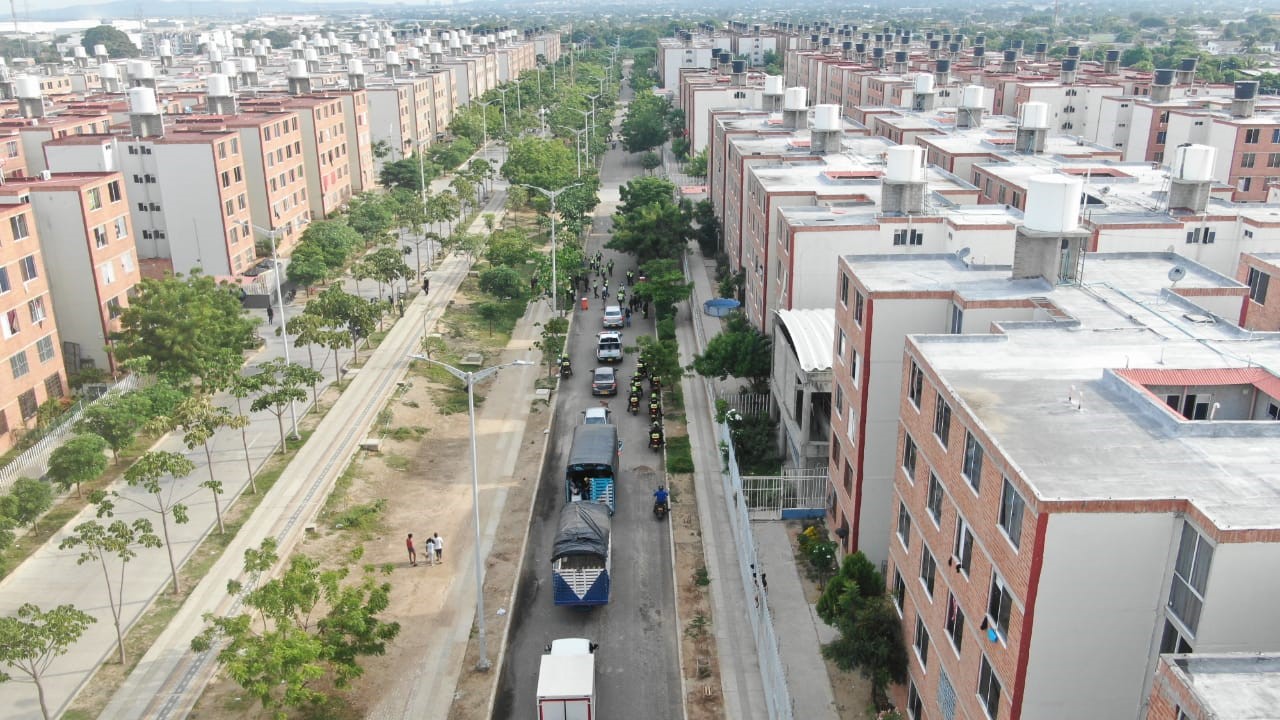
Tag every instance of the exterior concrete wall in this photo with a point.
(1240, 610)
(1099, 606)
(197, 236)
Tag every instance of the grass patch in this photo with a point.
(366, 517)
(399, 463)
(679, 455)
(403, 434)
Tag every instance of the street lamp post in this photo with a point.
(519, 107)
(504, 92)
(284, 332)
(577, 151)
(471, 378)
(586, 127)
(552, 195)
(595, 132)
(484, 125)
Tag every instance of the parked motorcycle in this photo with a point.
(566, 367)
(655, 439)
(641, 369)
(633, 403)
(655, 409)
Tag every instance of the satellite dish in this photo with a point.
(963, 253)
(1176, 273)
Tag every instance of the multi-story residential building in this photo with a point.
(84, 221)
(28, 326)
(1207, 686)
(326, 146)
(1262, 311)
(685, 51)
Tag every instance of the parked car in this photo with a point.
(609, 347)
(596, 416)
(613, 317)
(604, 381)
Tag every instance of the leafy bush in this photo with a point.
(818, 552)
(679, 455)
(667, 329)
(854, 602)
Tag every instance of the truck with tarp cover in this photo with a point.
(581, 556)
(593, 460)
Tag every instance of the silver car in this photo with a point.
(613, 317)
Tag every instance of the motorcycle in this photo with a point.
(655, 384)
(655, 439)
(655, 410)
(661, 504)
(641, 369)
(566, 368)
(633, 404)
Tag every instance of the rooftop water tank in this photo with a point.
(1053, 203)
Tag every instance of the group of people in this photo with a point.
(434, 549)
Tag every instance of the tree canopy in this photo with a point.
(657, 230)
(35, 638)
(116, 41)
(645, 126)
(185, 328)
(547, 164)
(739, 350)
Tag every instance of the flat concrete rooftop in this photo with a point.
(1239, 686)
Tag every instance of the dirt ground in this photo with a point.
(852, 690)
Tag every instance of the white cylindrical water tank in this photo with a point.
(310, 55)
(1194, 163)
(108, 71)
(142, 101)
(27, 88)
(826, 117)
(419, 41)
(219, 85)
(295, 44)
(1034, 116)
(237, 43)
(1053, 203)
(229, 68)
(356, 66)
(297, 69)
(141, 69)
(101, 50)
(413, 53)
(773, 84)
(248, 64)
(905, 163)
(455, 43)
(344, 48)
(393, 57)
(435, 48)
(215, 54)
(795, 98)
(924, 84)
(973, 96)
(78, 51)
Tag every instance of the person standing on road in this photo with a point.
(610, 268)
(595, 289)
(430, 550)
(439, 542)
(413, 554)
(271, 314)
(426, 285)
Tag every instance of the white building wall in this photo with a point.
(1099, 608)
(676, 58)
(73, 297)
(33, 149)
(1241, 612)
(704, 101)
(81, 158)
(384, 122)
(197, 233)
(311, 163)
(1222, 137)
(1135, 148)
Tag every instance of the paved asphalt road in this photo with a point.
(637, 664)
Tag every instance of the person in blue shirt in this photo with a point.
(661, 498)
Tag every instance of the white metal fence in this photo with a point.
(795, 493)
(34, 461)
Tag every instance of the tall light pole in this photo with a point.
(577, 141)
(552, 195)
(594, 118)
(586, 127)
(284, 332)
(471, 378)
(504, 92)
(519, 107)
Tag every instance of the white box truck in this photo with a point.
(567, 681)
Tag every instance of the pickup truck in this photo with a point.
(609, 347)
(567, 681)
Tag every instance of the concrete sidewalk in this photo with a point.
(795, 626)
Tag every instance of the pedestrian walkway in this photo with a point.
(794, 626)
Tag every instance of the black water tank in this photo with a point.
(900, 56)
(739, 67)
(1113, 56)
(942, 66)
(1246, 89)
(1073, 51)
(1162, 77)
(1069, 64)
(1188, 64)
(1010, 55)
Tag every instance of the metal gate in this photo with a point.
(798, 493)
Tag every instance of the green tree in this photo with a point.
(120, 539)
(199, 420)
(279, 385)
(184, 328)
(307, 267)
(278, 650)
(666, 286)
(407, 173)
(349, 318)
(240, 388)
(547, 164)
(739, 350)
(554, 332)
(336, 240)
(696, 166)
(371, 216)
(307, 332)
(708, 229)
(650, 160)
(652, 232)
(490, 312)
(661, 357)
(386, 266)
(79, 460)
(27, 500)
(502, 282)
(116, 41)
(645, 126)
(511, 248)
(30, 642)
(148, 473)
(116, 419)
(641, 192)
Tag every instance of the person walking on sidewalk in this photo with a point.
(595, 289)
(413, 554)
(271, 314)
(426, 285)
(439, 543)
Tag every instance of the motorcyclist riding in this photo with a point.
(655, 407)
(661, 499)
(633, 403)
(566, 367)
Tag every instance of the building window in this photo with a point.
(28, 267)
(899, 590)
(915, 709)
(999, 606)
(100, 238)
(1248, 159)
(53, 386)
(44, 348)
(18, 224)
(921, 643)
(27, 404)
(935, 499)
(928, 569)
(108, 273)
(95, 199)
(18, 364)
(4, 281)
(915, 384)
(989, 688)
(848, 479)
(1011, 507)
(122, 227)
(1258, 282)
(941, 420)
(904, 525)
(113, 307)
(1190, 577)
(858, 301)
(113, 191)
(835, 449)
(840, 345)
(11, 324)
(35, 307)
(126, 261)
(955, 623)
(962, 547)
(1202, 235)
(235, 173)
(1161, 137)
(909, 458)
(226, 179)
(1173, 641)
(972, 461)
(908, 237)
(1252, 135)
(844, 290)
(957, 319)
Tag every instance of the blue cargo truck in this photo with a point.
(581, 556)
(593, 461)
